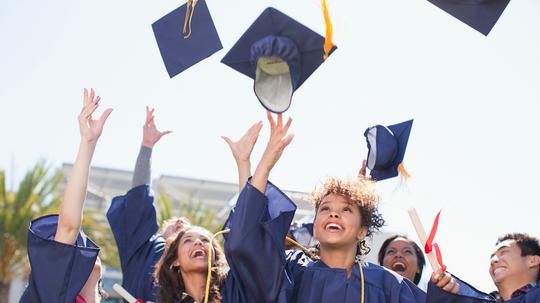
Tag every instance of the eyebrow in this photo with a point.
(499, 249)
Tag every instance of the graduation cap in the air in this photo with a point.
(478, 14)
(186, 36)
(387, 147)
(279, 53)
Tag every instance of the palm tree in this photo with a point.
(36, 195)
(192, 210)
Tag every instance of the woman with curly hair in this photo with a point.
(346, 214)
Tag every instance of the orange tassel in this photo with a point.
(403, 173)
(328, 38)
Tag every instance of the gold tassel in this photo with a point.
(210, 253)
(328, 38)
(189, 17)
(403, 173)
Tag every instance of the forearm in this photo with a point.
(244, 172)
(142, 173)
(70, 217)
(260, 178)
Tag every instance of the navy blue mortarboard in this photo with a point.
(179, 48)
(387, 147)
(279, 53)
(478, 14)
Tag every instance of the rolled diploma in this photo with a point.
(423, 238)
(124, 293)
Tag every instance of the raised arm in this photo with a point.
(241, 151)
(70, 217)
(151, 135)
(279, 139)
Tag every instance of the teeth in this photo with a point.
(333, 226)
(198, 253)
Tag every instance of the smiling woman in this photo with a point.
(182, 270)
(403, 256)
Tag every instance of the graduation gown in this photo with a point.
(267, 273)
(468, 294)
(134, 224)
(59, 271)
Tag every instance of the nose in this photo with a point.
(494, 260)
(334, 214)
(198, 242)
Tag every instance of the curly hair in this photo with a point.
(359, 192)
(420, 259)
(169, 278)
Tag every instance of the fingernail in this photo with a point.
(437, 277)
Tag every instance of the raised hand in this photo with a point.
(279, 139)
(445, 281)
(241, 151)
(90, 128)
(362, 172)
(242, 148)
(151, 134)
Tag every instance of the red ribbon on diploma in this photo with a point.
(430, 245)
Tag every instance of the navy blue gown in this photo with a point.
(134, 224)
(468, 294)
(265, 272)
(59, 271)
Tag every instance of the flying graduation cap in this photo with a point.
(279, 53)
(186, 36)
(386, 149)
(478, 14)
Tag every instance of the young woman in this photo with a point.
(403, 256)
(182, 271)
(134, 223)
(64, 262)
(345, 214)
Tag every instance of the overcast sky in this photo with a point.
(473, 150)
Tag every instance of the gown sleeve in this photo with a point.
(466, 294)
(133, 221)
(58, 271)
(255, 247)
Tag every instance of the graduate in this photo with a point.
(345, 214)
(134, 223)
(514, 269)
(404, 256)
(64, 261)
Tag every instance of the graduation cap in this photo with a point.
(478, 14)
(302, 233)
(186, 36)
(279, 53)
(387, 147)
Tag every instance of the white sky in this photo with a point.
(473, 149)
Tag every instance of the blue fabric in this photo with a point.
(272, 22)
(266, 273)
(281, 47)
(482, 15)
(468, 294)
(390, 149)
(59, 271)
(180, 53)
(134, 224)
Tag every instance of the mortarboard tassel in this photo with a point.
(189, 17)
(403, 173)
(328, 37)
(210, 256)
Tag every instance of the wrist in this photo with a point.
(147, 144)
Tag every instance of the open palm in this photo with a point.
(91, 128)
(151, 134)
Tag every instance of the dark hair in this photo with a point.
(421, 260)
(169, 278)
(529, 245)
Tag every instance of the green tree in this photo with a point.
(35, 195)
(194, 211)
